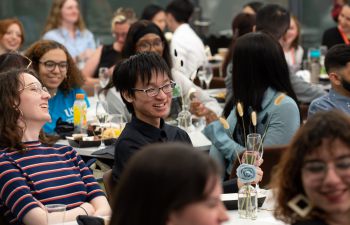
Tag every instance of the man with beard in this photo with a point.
(337, 65)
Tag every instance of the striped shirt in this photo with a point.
(51, 175)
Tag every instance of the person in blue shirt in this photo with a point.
(260, 83)
(61, 77)
(337, 63)
(65, 25)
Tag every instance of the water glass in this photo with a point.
(55, 214)
(103, 76)
(208, 74)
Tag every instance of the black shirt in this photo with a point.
(137, 134)
(109, 57)
(332, 37)
(310, 222)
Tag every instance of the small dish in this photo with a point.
(87, 144)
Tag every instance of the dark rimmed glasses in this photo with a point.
(151, 92)
(147, 46)
(51, 65)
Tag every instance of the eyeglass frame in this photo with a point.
(159, 43)
(38, 90)
(172, 85)
(337, 167)
(56, 64)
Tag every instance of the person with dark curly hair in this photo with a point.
(62, 78)
(34, 174)
(312, 181)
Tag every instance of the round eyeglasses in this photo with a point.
(35, 87)
(147, 46)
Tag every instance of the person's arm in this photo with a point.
(102, 206)
(305, 92)
(91, 64)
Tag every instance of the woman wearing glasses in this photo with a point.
(145, 83)
(34, 174)
(61, 77)
(312, 181)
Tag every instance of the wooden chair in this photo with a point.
(108, 183)
(272, 155)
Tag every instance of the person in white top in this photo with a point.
(185, 43)
(290, 43)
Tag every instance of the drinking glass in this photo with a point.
(117, 121)
(55, 213)
(200, 75)
(254, 146)
(103, 76)
(208, 74)
(102, 117)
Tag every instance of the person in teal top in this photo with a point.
(261, 84)
(61, 77)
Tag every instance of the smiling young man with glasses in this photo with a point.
(145, 83)
(61, 77)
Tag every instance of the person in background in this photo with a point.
(185, 43)
(275, 20)
(312, 181)
(337, 63)
(145, 36)
(34, 174)
(242, 24)
(341, 33)
(159, 191)
(252, 7)
(290, 44)
(11, 35)
(109, 55)
(156, 14)
(65, 25)
(257, 89)
(145, 83)
(61, 77)
(13, 60)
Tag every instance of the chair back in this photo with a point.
(108, 183)
(272, 156)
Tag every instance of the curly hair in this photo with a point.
(54, 19)
(323, 127)
(38, 49)
(5, 23)
(11, 132)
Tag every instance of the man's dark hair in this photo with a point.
(337, 57)
(255, 6)
(137, 67)
(150, 11)
(273, 19)
(181, 10)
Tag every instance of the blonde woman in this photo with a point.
(65, 25)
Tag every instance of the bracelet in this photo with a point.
(84, 210)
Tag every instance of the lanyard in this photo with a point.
(342, 34)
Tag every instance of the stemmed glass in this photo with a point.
(103, 76)
(208, 74)
(201, 76)
(117, 121)
(102, 117)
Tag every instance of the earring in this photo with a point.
(301, 205)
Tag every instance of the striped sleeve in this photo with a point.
(15, 194)
(92, 186)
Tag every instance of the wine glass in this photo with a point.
(102, 117)
(208, 74)
(117, 121)
(200, 75)
(103, 76)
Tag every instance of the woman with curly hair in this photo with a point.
(65, 25)
(34, 174)
(312, 182)
(60, 76)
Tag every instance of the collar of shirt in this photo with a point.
(149, 131)
(65, 32)
(340, 100)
